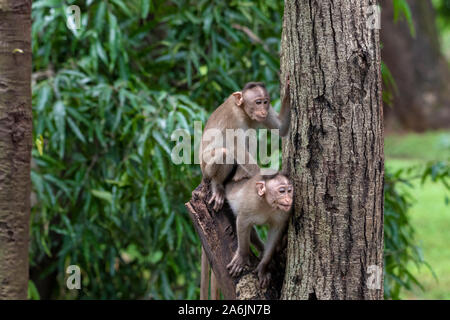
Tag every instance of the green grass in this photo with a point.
(430, 216)
(433, 145)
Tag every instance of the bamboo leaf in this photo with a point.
(101, 194)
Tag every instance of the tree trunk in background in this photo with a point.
(15, 146)
(420, 70)
(335, 151)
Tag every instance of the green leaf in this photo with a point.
(156, 256)
(161, 142)
(33, 293)
(101, 52)
(165, 201)
(160, 163)
(76, 130)
(59, 113)
(104, 195)
(40, 144)
(112, 40)
(43, 97)
(123, 7)
(145, 8)
(203, 70)
(402, 7)
(100, 16)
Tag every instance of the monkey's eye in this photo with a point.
(282, 190)
(258, 101)
(266, 101)
(290, 190)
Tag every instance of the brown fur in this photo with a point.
(257, 201)
(250, 109)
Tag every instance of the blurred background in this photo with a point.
(107, 96)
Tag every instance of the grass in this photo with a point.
(434, 145)
(430, 216)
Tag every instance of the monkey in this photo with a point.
(261, 199)
(246, 109)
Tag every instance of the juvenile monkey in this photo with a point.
(246, 109)
(262, 199)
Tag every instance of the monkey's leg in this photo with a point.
(218, 170)
(256, 241)
(273, 237)
(240, 258)
(204, 277)
(247, 167)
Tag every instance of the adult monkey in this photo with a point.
(246, 109)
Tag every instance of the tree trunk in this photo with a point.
(419, 69)
(15, 146)
(335, 151)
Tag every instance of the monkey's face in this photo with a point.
(277, 191)
(256, 103)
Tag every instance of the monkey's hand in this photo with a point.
(263, 276)
(218, 197)
(237, 264)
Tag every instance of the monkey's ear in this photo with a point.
(260, 188)
(239, 99)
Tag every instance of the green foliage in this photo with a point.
(106, 99)
(400, 246)
(390, 87)
(109, 199)
(430, 218)
(401, 249)
(33, 293)
(442, 8)
(401, 9)
(417, 168)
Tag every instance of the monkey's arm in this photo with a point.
(285, 113)
(273, 236)
(240, 258)
(283, 120)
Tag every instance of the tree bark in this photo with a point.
(421, 72)
(15, 146)
(334, 153)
